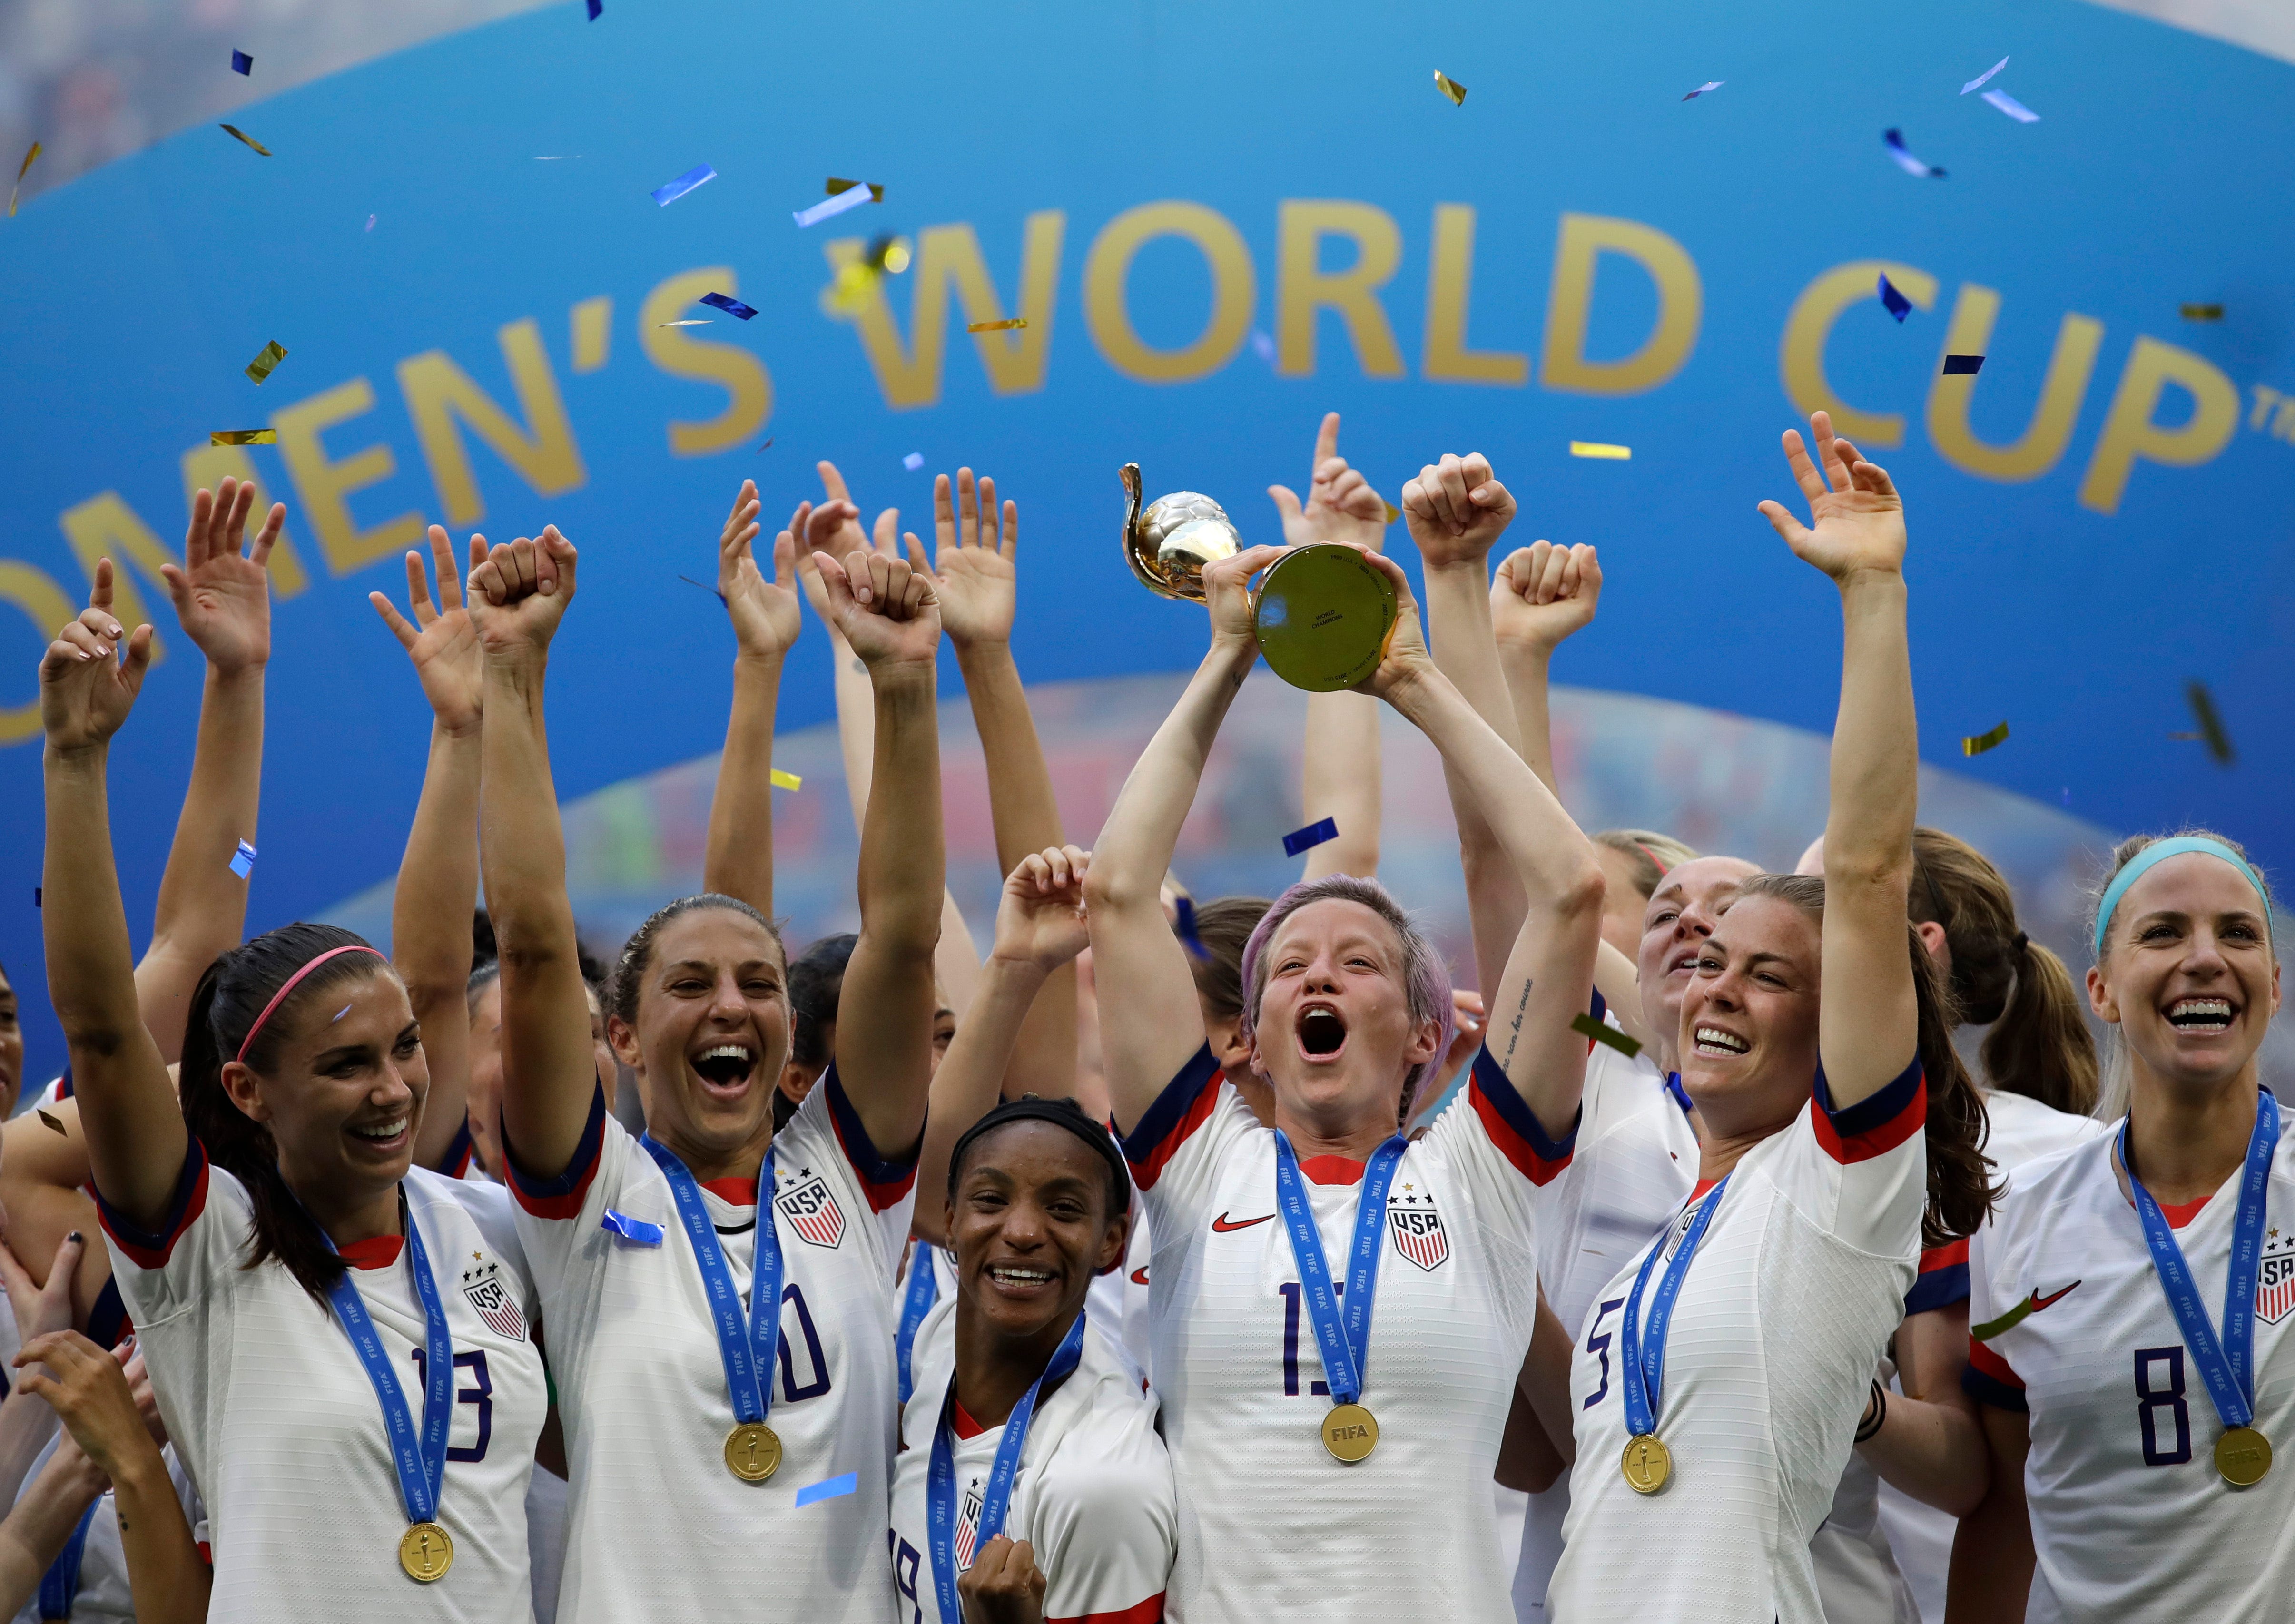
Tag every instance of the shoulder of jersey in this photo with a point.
(2051, 1179)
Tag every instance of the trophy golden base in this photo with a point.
(1323, 613)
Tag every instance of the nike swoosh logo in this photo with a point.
(2039, 1302)
(2016, 1316)
(1220, 1226)
(1139, 1277)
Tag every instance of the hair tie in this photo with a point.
(2161, 850)
(279, 997)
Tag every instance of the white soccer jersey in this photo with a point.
(660, 1527)
(2023, 1130)
(1093, 1496)
(1270, 1523)
(2130, 1518)
(103, 1595)
(267, 1403)
(1779, 1326)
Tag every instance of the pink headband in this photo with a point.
(279, 997)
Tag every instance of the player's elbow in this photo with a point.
(1581, 889)
(1110, 889)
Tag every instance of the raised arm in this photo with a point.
(976, 576)
(739, 860)
(136, 1135)
(1040, 929)
(1150, 1024)
(1549, 971)
(1866, 1022)
(890, 617)
(1339, 765)
(437, 886)
(223, 600)
(517, 597)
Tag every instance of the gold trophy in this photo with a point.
(1323, 612)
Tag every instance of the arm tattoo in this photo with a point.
(1513, 1030)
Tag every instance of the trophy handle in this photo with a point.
(1130, 475)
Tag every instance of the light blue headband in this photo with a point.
(2160, 850)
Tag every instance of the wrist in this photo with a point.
(89, 758)
(1477, 564)
(520, 666)
(902, 677)
(760, 662)
(460, 731)
(236, 674)
(982, 654)
(1870, 581)
(1014, 969)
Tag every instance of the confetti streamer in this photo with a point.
(54, 1124)
(851, 199)
(730, 305)
(2010, 105)
(634, 1230)
(237, 133)
(2211, 727)
(700, 175)
(914, 460)
(1595, 448)
(1602, 1032)
(836, 1487)
(370, 222)
(768, 445)
(704, 586)
(1306, 839)
(1955, 366)
(834, 187)
(1895, 303)
(1902, 156)
(1980, 78)
(1186, 929)
(1393, 512)
(1264, 345)
(1977, 743)
(2190, 313)
(265, 363)
(567, 157)
(597, 8)
(243, 436)
(1017, 322)
(699, 321)
(23, 169)
(784, 780)
(339, 1014)
(1702, 89)
(1450, 87)
(242, 63)
(35, 897)
(243, 860)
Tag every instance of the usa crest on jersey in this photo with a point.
(968, 1527)
(1416, 1226)
(2275, 1278)
(811, 1207)
(492, 1299)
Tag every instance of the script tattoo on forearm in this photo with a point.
(1514, 1029)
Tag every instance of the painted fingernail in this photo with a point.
(73, 1237)
(116, 631)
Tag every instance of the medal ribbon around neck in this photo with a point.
(917, 1300)
(750, 1345)
(1643, 1349)
(421, 1458)
(996, 1499)
(1344, 1343)
(2227, 1364)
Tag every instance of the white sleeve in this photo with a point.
(560, 1219)
(1860, 1173)
(828, 1129)
(1178, 1144)
(1106, 1525)
(201, 1240)
(1495, 1139)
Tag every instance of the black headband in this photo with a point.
(1064, 1113)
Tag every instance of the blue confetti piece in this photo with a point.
(853, 197)
(634, 1230)
(1955, 366)
(1902, 156)
(836, 1487)
(1306, 839)
(596, 6)
(242, 862)
(1193, 943)
(1980, 77)
(1896, 303)
(1710, 84)
(732, 306)
(1262, 345)
(914, 460)
(241, 62)
(700, 175)
(2010, 105)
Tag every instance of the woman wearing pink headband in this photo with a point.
(340, 1343)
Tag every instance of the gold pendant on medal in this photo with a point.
(1350, 1432)
(753, 1451)
(2243, 1456)
(1648, 1464)
(426, 1551)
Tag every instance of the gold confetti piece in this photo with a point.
(1602, 1032)
(1393, 512)
(23, 169)
(2202, 313)
(1450, 87)
(234, 130)
(1595, 448)
(243, 436)
(55, 1124)
(1016, 321)
(264, 364)
(2211, 727)
(1977, 743)
(837, 186)
(890, 255)
(787, 780)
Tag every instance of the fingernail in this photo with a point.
(73, 1237)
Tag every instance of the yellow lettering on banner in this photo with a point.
(2034, 450)
(206, 468)
(437, 392)
(2129, 430)
(732, 369)
(1303, 286)
(104, 526)
(1448, 279)
(592, 323)
(35, 591)
(1570, 303)
(1808, 327)
(1016, 361)
(1106, 280)
(324, 485)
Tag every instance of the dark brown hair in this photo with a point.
(622, 988)
(1224, 925)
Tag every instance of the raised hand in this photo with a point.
(1003, 1585)
(1857, 518)
(518, 593)
(441, 639)
(90, 1394)
(1544, 592)
(834, 527)
(39, 1310)
(86, 688)
(224, 597)
(1405, 658)
(972, 571)
(1041, 919)
(1341, 505)
(886, 610)
(765, 613)
(1456, 509)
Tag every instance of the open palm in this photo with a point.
(441, 639)
(766, 616)
(973, 574)
(223, 596)
(1857, 518)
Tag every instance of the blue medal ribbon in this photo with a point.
(2227, 1364)
(421, 1458)
(749, 1343)
(917, 1301)
(1344, 1342)
(996, 1499)
(1680, 1095)
(1642, 1351)
(60, 1585)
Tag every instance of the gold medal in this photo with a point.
(2243, 1456)
(1648, 1464)
(753, 1451)
(426, 1551)
(1350, 1432)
